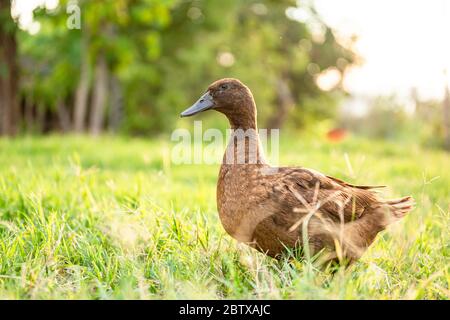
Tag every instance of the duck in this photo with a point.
(277, 210)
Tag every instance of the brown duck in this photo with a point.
(276, 209)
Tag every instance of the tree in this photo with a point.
(116, 37)
(277, 56)
(9, 77)
(82, 91)
(446, 117)
(135, 63)
(99, 97)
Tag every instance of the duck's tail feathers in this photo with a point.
(401, 206)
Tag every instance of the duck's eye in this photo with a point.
(224, 87)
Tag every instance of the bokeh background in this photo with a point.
(377, 69)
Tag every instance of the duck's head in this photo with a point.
(230, 97)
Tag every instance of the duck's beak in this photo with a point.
(205, 102)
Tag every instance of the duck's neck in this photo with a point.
(242, 122)
(244, 146)
(244, 116)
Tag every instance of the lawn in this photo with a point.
(113, 218)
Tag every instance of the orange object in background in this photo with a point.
(336, 134)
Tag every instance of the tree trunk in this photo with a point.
(285, 102)
(28, 114)
(63, 116)
(82, 92)
(116, 112)
(446, 115)
(9, 106)
(40, 124)
(99, 97)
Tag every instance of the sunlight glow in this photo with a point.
(23, 11)
(328, 79)
(403, 44)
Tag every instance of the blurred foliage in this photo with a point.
(166, 52)
(383, 119)
(428, 121)
(387, 118)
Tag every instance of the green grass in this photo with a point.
(112, 218)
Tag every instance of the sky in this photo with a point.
(404, 44)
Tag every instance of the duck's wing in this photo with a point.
(345, 184)
(303, 190)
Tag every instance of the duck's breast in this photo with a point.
(239, 196)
